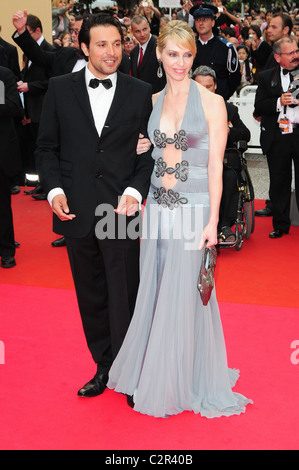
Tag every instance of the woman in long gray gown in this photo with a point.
(173, 357)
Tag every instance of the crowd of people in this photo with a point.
(152, 121)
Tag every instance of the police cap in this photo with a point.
(203, 9)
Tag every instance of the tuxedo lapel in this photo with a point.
(275, 82)
(81, 94)
(121, 91)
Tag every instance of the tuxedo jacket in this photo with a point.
(56, 61)
(10, 160)
(268, 90)
(92, 169)
(149, 66)
(12, 57)
(37, 78)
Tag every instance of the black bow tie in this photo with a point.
(94, 83)
(285, 71)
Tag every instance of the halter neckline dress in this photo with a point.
(174, 357)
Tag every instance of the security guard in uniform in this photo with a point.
(214, 51)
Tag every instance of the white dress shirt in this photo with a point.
(100, 102)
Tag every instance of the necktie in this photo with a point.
(140, 58)
(94, 83)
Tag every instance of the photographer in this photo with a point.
(280, 129)
(152, 14)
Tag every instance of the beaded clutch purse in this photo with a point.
(205, 283)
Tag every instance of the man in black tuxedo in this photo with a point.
(10, 161)
(87, 161)
(280, 26)
(280, 130)
(144, 62)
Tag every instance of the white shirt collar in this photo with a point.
(40, 40)
(206, 42)
(144, 46)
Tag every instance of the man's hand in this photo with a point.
(127, 205)
(143, 144)
(286, 99)
(60, 208)
(19, 20)
(22, 87)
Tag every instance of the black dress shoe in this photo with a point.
(94, 387)
(266, 212)
(8, 262)
(277, 233)
(130, 401)
(40, 197)
(37, 190)
(15, 189)
(59, 242)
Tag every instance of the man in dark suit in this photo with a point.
(280, 130)
(34, 85)
(10, 161)
(144, 62)
(12, 57)
(280, 26)
(236, 131)
(87, 160)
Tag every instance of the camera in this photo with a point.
(294, 88)
(144, 4)
(220, 9)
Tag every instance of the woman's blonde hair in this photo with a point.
(55, 3)
(180, 32)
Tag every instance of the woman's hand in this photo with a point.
(210, 234)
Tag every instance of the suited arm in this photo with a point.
(48, 144)
(32, 50)
(37, 87)
(265, 103)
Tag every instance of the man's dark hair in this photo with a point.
(286, 20)
(99, 19)
(34, 22)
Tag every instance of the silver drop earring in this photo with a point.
(160, 70)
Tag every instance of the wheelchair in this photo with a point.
(244, 223)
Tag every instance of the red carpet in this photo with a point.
(45, 359)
